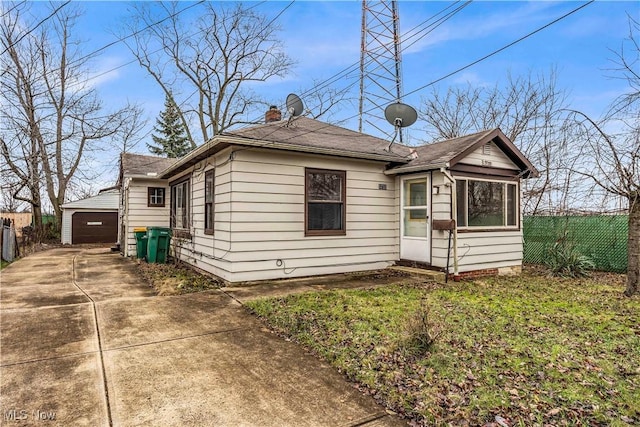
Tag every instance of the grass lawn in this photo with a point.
(3, 264)
(528, 350)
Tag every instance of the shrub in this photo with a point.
(565, 261)
(420, 331)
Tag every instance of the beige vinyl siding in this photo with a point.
(440, 210)
(476, 250)
(65, 233)
(484, 250)
(136, 213)
(259, 219)
(205, 251)
(497, 158)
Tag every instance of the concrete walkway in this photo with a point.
(83, 342)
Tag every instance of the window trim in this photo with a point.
(150, 190)
(209, 230)
(180, 232)
(341, 232)
(505, 183)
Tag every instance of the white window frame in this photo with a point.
(186, 199)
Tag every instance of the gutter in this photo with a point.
(418, 168)
(454, 209)
(140, 176)
(315, 150)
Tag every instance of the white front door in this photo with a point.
(414, 219)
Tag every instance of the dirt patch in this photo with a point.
(176, 278)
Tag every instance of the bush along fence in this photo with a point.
(602, 238)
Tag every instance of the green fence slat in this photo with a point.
(603, 238)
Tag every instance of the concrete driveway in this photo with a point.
(84, 342)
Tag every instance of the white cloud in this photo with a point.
(470, 78)
(473, 25)
(105, 71)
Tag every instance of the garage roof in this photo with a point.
(105, 200)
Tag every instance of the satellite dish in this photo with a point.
(399, 115)
(294, 105)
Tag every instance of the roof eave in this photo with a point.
(315, 150)
(140, 176)
(417, 168)
(225, 140)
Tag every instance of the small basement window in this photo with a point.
(155, 197)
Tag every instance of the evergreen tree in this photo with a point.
(173, 141)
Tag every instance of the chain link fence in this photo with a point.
(603, 238)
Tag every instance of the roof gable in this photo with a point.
(105, 200)
(454, 151)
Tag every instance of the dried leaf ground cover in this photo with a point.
(528, 350)
(175, 278)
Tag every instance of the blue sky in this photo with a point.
(324, 38)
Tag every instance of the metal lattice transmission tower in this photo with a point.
(380, 64)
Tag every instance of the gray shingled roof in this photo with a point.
(307, 132)
(138, 164)
(439, 153)
(310, 135)
(451, 151)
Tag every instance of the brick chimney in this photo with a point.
(273, 115)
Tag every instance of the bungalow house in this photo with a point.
(302, 197)
(142, 197)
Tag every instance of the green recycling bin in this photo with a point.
(158, 244)
(141, 241)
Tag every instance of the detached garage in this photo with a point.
(91, 220)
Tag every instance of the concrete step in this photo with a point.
(436, 276)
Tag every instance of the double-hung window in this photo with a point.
(209, 195)
(180, 205)
(325, 204)
(484, 204)
(155, 197)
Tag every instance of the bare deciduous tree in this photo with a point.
(613, 144)
(525, 108)
(324, 101)
(53, 117)
(208, 64)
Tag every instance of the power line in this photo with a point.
(327, 81)
(501, 49)
(184, 101)
(135, 33)
(51, 15)
(355, 66)
(17, 5)
(133, 61)
(466, 66)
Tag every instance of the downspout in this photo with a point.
(454, 210)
